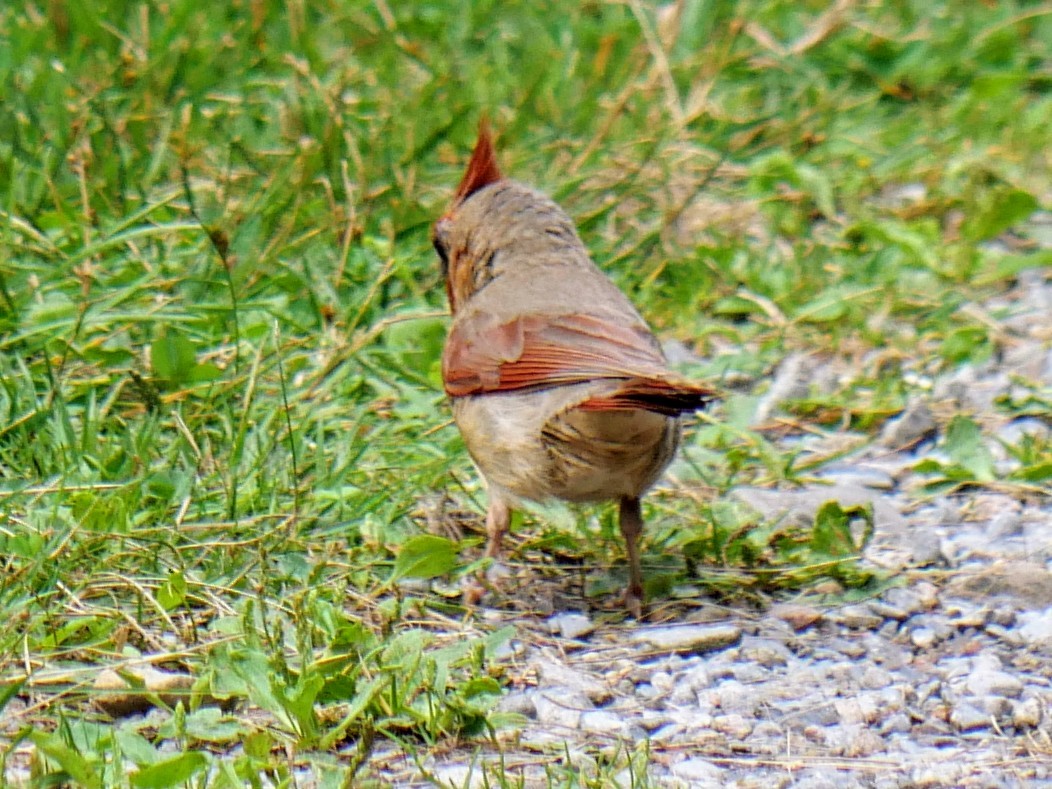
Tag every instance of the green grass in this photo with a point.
(220, 319)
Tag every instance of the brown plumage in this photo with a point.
(558, 385)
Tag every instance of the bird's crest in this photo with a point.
(482, 169)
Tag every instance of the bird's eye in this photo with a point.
(440, 240)
(440, 248)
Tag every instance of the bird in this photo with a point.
(558, 386)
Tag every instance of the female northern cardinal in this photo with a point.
(558, 385)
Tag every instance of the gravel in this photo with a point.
(942, 680)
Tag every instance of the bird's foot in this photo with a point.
(633, 602)
(491, 579)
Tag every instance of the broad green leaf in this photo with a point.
(300, 702)
(964, 445)
(928, 466)
(203, 373)
(256, 673)
(172, 593)
(735, 305)
(831, 534)
(425, 556)
(258, 744)
(136, 747)
(966, 344)
(211, 724)
(998, 211)
(481, 686)
(172, 356)
(357, 709)
(170, 772)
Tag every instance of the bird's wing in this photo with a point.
(484, 355)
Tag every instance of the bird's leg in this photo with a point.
(631, 521)
(498, 517)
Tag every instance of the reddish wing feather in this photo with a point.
(482, 169)
(537, 351)
(669, 396)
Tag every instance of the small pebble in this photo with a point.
(983, 682)
(858, 617)
(571, 625)
(798, 617)
(966, 717)
(662, 681)
(698, 770)
(996, 707)
(766, 652)
(864, 743)
(519, 702)
(1026, 714)
(554, 673)
(1036, 627)
(734, 726)
(875, 678)
(899, 723)
(602, 722)
(688, 638)
(887, 611)
(905, 599)
(915, 423)
(560, 707)
(922, 637)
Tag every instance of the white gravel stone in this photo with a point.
(997, 707)
(858, 617)
(907, 600)
(875, 678)
(915, 423)
(863, 708)
(1027, 714)
(701, 770)
(986, 682)
(662, 681)
(667, 733)
(923, 637)
(732, 696)
(735, 726)
(864, 743)
(944, 772)
(571, 625)
(519, 702)
(1008, 636)
(767, 652)
(887, 611)
(688, 638)
(965, 717)
(864, 476)
(553, 673)
(899, 723)
(560, 707)
(1036, 626)
(651, 720)
(602, 722)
